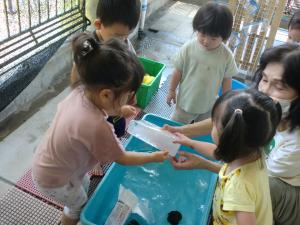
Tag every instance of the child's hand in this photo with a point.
(160, 156)
(171, 97)
(188, 161)
(183, 140)
(128, 111)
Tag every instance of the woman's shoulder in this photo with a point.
(287, 136)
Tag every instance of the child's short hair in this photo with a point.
(126, 12)
(289, 56)
(294, 22)
(214, 20)
(247, 121)
(107, 65)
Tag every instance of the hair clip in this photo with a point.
(87, 48)
(238, 111)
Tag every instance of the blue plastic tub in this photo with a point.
(188, 191)
(236, 85)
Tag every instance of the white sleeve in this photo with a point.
(284, 161)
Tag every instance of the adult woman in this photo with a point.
(278, 77)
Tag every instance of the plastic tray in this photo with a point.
(105, 196)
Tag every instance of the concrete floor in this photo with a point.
(160, 44)
(17, 148)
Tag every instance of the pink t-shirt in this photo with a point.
(77, 139)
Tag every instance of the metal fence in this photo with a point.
(29, 26)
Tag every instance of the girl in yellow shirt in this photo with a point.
(243, 123)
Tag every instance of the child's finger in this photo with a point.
(169, 102)
(167, 128)
(174, 159)
(184, 155)
(180, 165)
(178, 134)
(165, 154)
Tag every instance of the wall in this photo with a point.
(54, 72)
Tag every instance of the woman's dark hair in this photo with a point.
(126, 12)
(294, 22)
(107, 65)
(289, 56)
(247, 121)
(214, 19)
(291, 65)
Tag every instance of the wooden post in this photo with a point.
(269, 15)
(276, 22)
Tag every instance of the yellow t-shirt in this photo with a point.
(244, 189)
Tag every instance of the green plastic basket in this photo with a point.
(146, 91)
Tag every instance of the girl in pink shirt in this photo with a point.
(80, 136)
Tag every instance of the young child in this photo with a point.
(294, 28)
(203, 65)
(243, 123)
(116, 19)
(80, 135)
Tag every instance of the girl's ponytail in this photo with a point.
(232, 138)
(246, 120)
(105, 65)
(84, 45)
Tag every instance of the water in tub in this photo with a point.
(161, 189)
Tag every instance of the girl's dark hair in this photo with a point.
(247, 121)
(214, 19)
(107, 65)
(289, 56)
(126, 12)
(294, 22)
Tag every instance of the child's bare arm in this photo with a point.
(139, 158)
(204, 148)
(245, 218)
(226, 84)
(74, 77)
(193, 161)
(176, 77)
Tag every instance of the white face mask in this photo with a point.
(285, 105)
